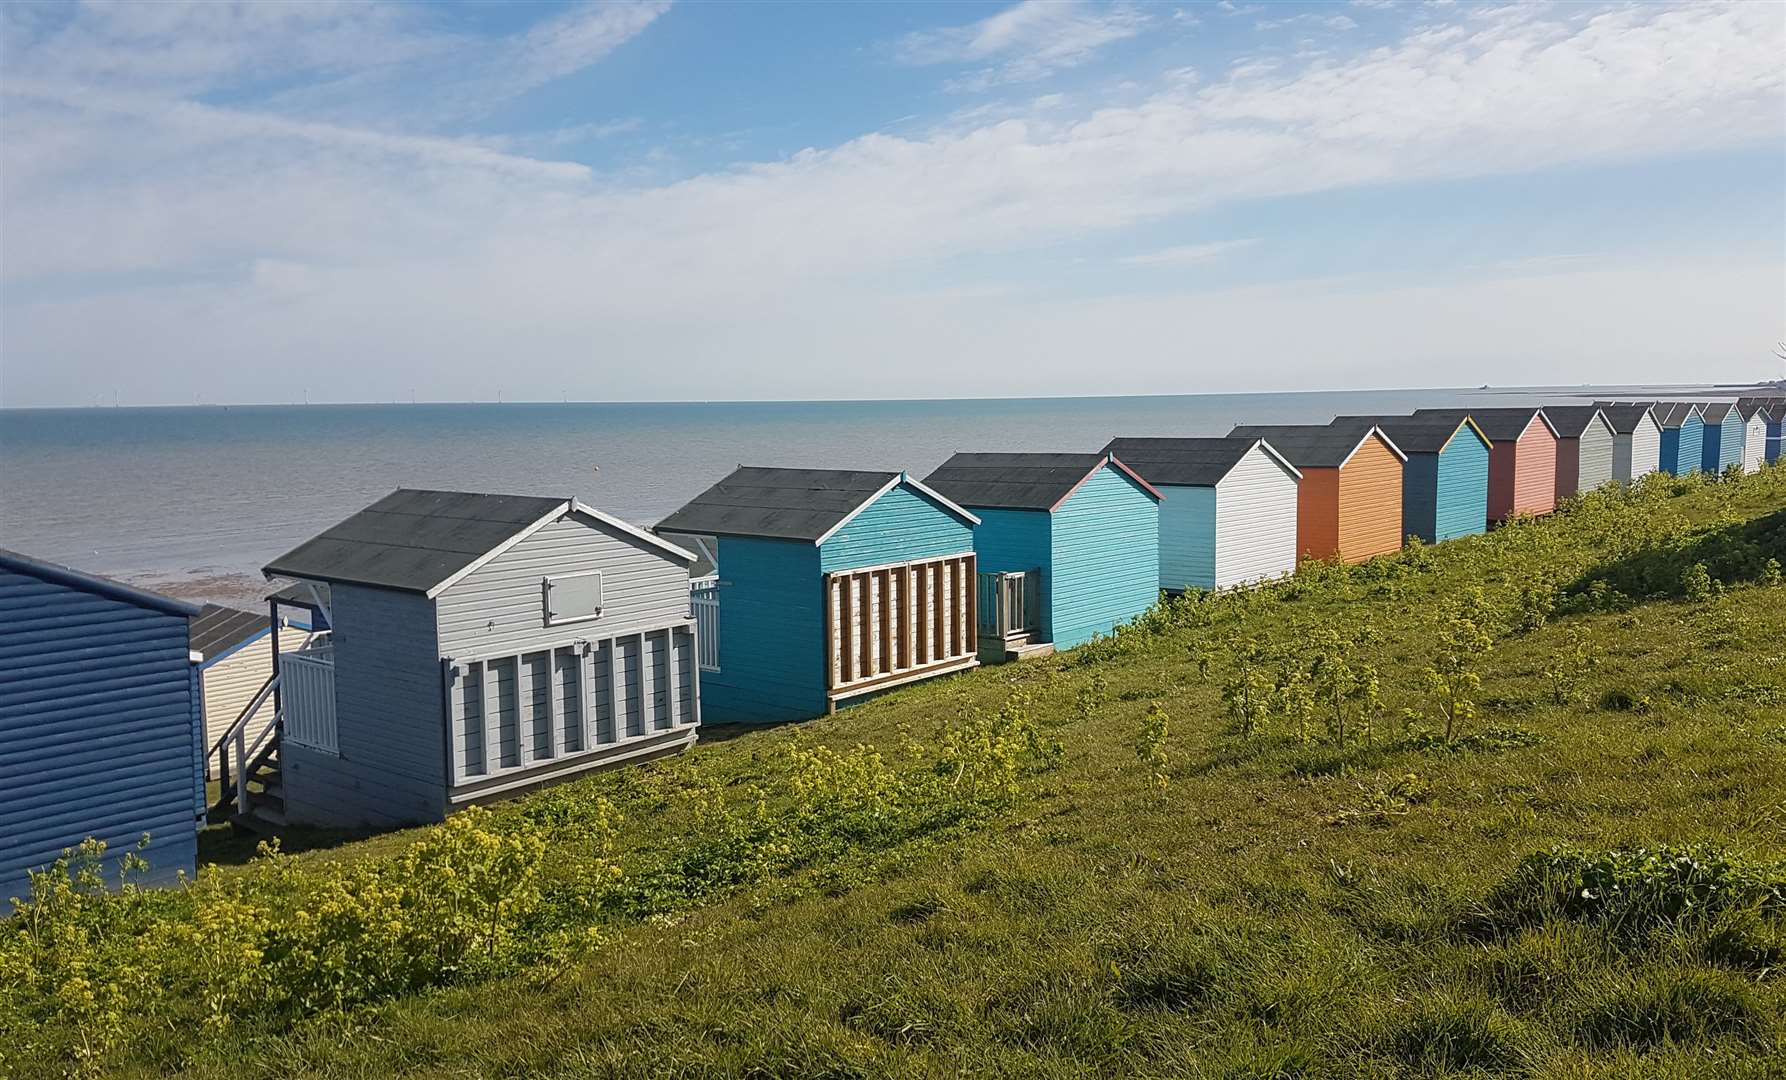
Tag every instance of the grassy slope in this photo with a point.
(1224, 926)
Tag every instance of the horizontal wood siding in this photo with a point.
(1643, 454)
(1462, 492)
(900, 526)
(1015, 541)
(1721, 444)
(1106, 561)
(340, 792)
(389, 703)
(1774, 439)
(1187, 538)
(1318, 514)
(100, 732)
(1568, 470)
(1420, 496)
(771, 633)
(1503, 462)
(1595, 456)
(232, 682)
(1754, 443)
(500, 608)
(1255, 521)
(1370, 502)
(1682, 447)
(1535, 471)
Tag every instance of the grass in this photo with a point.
(1245, 906)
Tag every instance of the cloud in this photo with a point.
(187, 236)
(1029, 41)
(1187, 254)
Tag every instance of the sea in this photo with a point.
(194, 500)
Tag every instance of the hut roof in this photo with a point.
(1021, 481)
(790, 504)
(1672, 414)
(1499, 425)
(218, 629)
(1189, 462)
(44, 570)
(1420, 434)
(1749, 406)
(423, 541)
(1571, 421)
(1715, 412)
(1624, 418)
(1317, 446)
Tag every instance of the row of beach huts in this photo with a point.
(442, 648)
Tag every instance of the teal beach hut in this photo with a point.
(833, 584)
(1683, 436)
(1067, 548)
(1445, 479)
(1722, 443)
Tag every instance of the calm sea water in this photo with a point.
(199, 498)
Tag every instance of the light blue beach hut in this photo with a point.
(1067, 548)
(100, 730)
(1683, 436)
(833, 585)
(1445, 479)
(1722, 443)
(1229, 515)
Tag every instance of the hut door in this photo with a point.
(891, 624)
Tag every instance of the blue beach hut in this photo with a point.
(1722, 444)
(100, 730)
(1068, 545)
(1683, 436)
(1775, 412)
(1445, 479)
(833, 584)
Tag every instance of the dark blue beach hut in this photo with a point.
(1775, 411)
(1683, 436)
(100, 730)
(833, 584)
(1445, 479)
(1068, 545)
(1722, 444)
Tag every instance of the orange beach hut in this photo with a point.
(1349, 504)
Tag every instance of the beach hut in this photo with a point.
(1349, 501)
(235, 650)
(1522, 466)
(1585, 448)
(1068, 546)
(1445, 480)
(1776, 420)
(1229, 514)
(100, 731)
(1755, 428)
(1683, 436)
(1636, 442)
(479, 645)
(833, 585)
(1722, 443)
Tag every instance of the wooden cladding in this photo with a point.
(891, 624)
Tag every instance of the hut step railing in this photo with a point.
(1010, 604)
(703, 608)
(246, 752)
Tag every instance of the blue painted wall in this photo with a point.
(1683, 448)
(1187, 538)
(772, 605)
(900, 526)
(771, 634)
(1106, 558)
(1462, 503)
(1772, 453)
(1722, 444)
(100, 730)
(1011, 541)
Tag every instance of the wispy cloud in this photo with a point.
(1026, 42)
(1188, 254)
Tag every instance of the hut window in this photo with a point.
(573, 597)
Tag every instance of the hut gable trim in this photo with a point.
(1133, 476)
(1024, 481)
(58, 574)
(1675, 414)
(1319, 446)
(1573, 421)
(1625, 419)
(1189, 462)
(568, 509)
(1715, 412)
(1425, 434)
(901, 479)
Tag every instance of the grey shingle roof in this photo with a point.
(1500, 425)
(1624, 418)
(1414, 434)
(1200, 462)
(778, 504)
(218, 629)
(1749, 406)
(413, 540)
(1571, 420)
(1311, 446)
(1672, 414)
(1714, 412)
(1013, 481)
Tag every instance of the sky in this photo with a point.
(271, 202)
